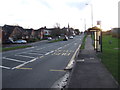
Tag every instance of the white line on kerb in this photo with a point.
(13, 60)
(72, 59)
(25, 56)
(5, 67)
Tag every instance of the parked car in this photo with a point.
(71, 37)
(21, 41)
(9, 42)
(49, 38)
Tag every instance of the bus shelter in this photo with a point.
(97, 34)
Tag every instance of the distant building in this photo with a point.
(115, 32)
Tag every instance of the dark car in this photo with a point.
(9, 42)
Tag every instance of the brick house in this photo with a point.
(12, 32)
(28, 34)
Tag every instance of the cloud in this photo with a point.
(39, 13)
(78, 4)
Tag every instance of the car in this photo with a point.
(49, 38)
(9, 42)
(71, 37)
(21, 41)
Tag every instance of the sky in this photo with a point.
(77, 13)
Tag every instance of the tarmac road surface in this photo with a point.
(39, 66)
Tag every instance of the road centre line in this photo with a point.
(25, 56)
(49, 52)
(59, 48)
(41, 56)
(13, 60)
(81, 60)
(5, 67)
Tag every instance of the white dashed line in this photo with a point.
(82, 60)
(25, 56)
(13, 60)
(5, 67)
(35, 53)
(24, 63)
(49, 52)
(59, 48)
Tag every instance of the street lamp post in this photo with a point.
(91, 13)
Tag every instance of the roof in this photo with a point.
(94, 28)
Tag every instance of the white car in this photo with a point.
(49, 38)
(71, 37)
(21, 41)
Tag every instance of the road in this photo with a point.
(39, 66)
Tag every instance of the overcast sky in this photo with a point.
(40, 13)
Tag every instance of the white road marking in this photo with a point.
(49, 52)
(59, 48)
(5, 67)
(25, 56)
(41, 56)
(35, 53)
(63, 54)
(13, 60)
(68, 54)
(24, 63)
(70, 64)
(82, 60)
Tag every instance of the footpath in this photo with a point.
(89, 72)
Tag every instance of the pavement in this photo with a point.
(89, 72)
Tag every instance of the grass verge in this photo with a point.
(83, 42)
(16, 47)
(55, 40)
(109, 56)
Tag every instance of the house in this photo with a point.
(28, 34)
(47, 31)
(40, 33)
(12, 32)
(64, 31)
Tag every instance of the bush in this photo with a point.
(33, 40)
